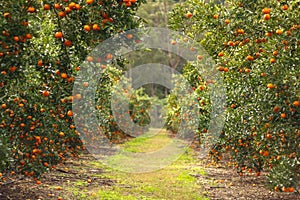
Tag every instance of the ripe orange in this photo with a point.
(268, 34)
(188, 14)
(38, 182)
(276, 109)
(62, 14)
(46, 7)
(266, 153)
(64, 75)
(291, 189)
(129, 36)
(96, 27)
(72, 5)
(86, 84)
(261, 152)
(70, 113)
(13, 68)
(40, 63)
(16, 38)
(296, 103)
(272, 60)
(241, 31)
(283, 115)
(87, 28)
(46, 93)
(270, 86)
(279, 31)
(77, 6)
(284, 189)
(89, 1)
(266, 10)
(247, 70)
(31, 9)
(7, 14)
(61, 134)
(250, 58)
(57, 72)
(68, 9)
(68, 43)
(28, 36)
(216, 16)
(275, 53)
(231, 43)
(4, 106)
(89, 58)
(221, 54)
(285, 7)
(109, 56)
(57, 6)
(227, 21)
(58, 35)
(267, 16)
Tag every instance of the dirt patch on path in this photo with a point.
(222, 182)
(55, 183)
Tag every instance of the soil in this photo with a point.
(226, 184)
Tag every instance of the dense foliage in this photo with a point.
(256, 48)
(42, 44)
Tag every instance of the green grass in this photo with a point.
(148, 142)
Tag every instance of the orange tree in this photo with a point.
(256, 48)
(42, 44)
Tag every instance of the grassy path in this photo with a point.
(172, 182)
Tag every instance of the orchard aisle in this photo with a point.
(188, 178)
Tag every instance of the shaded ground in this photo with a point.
(223, 183)
(187, 178)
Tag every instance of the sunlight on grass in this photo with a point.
(148, 142)
(172, 182)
